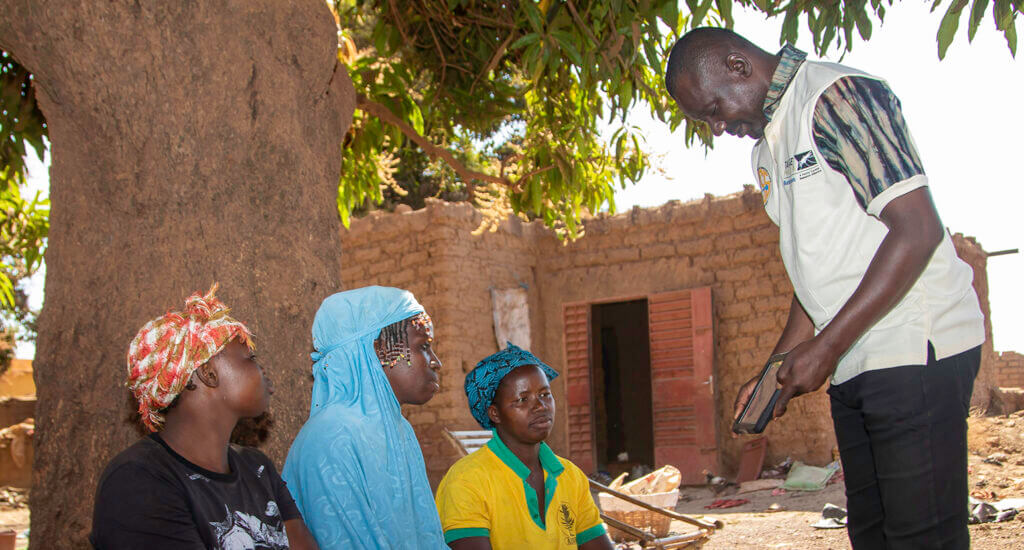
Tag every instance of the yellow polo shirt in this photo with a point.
(485, 494)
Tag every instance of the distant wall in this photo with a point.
(1009, 370)
(17, 381)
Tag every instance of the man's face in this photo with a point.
(523, 406)
(725, 97)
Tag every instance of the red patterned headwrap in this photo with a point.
(163, 355)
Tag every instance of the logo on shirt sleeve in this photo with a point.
(764, 182)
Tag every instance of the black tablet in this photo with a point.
(758, 412)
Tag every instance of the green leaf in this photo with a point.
(701, 12)
(416, 117)
(725, 10)
(526, 40)
(1011, 38)
(977, 12)
(533, 14)
(864, 23)
(789, 26)
(565, 40)
(670, 13)
(948, 26)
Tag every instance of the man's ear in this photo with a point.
(492, 413)
(207, 373)
(739, 65)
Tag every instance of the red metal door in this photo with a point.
(682, 392)
(576, 318)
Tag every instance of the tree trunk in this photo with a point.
(192, 142)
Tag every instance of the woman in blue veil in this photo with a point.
(355, 469)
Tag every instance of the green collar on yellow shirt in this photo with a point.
(548, 461)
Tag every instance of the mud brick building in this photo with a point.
(1009, 370)
(654, 319)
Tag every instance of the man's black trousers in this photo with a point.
(902, 436)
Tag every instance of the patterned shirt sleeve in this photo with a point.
(859, 128)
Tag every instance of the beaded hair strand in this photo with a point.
(392, 345)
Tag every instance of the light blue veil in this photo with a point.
(355, 470)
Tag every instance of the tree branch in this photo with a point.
(385, 114)
(468, 175)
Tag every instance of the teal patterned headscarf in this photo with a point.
(482, 382)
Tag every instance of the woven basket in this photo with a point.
(646, 520)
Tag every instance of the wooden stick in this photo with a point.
(670, 513)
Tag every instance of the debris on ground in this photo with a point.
(13, 498)
(832, 517)
(758, 485)
(778, 471)
(809, 478)
(662, 480)
(998, 511)
(727, 503)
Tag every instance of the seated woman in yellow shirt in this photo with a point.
(515, 493)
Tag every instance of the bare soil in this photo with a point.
(757, 525)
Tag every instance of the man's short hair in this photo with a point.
(693, 53)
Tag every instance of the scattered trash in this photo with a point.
(639, 470)
(662, 480)
(994, 512)
(13, 497)
(727, 503)
(981, 494)
(775, 507)
(832, 517)
(839, 476)
(778, 471)
(996, 459)
(778, 492)
(758, 485)
(809, 478)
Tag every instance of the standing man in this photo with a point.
(882, 304)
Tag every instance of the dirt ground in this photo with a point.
(757, 525)
(784, 521)
(14, 513)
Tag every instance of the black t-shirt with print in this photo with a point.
(150, 497)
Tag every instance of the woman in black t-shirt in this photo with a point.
(194, 374)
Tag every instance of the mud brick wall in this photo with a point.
(726, 243)
(1009, 370)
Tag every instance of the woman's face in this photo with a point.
(242, 380)
(416, 380)
(523, 406)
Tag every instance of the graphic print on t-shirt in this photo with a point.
(567, 523)
(241, 531)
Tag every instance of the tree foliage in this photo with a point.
(499, 102)
(24, 223)
(524, 88)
